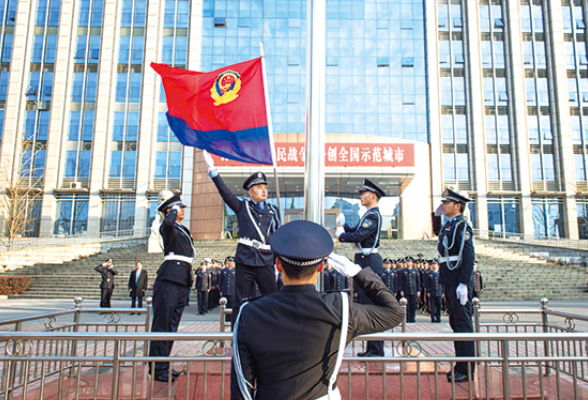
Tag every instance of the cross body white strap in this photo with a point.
(244, 385)
(334, 394)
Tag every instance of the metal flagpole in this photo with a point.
(314, 175)
(270, 127)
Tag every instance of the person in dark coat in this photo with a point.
(258, 220)
(434, 292)
(228, 281)
(456, 263)
(304, 331)
(138, 284)
(203, 285)
(478, 281)
(410, 289)
(389, 276)
(108, 272)
(174, 279)
(366, 237)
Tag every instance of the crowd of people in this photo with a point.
(215, 279)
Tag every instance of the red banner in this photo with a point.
(341, 155)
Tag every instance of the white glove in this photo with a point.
(340, 221)
(339, 231)
(462, 293)
(175, 208)
(343, 265)
(208, 160)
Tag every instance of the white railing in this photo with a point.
(73, 239)
(532, 239)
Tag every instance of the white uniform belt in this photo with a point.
(358, 251)
(255, 244)
(177, 257)
(447, 259)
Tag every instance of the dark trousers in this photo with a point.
(374, 261)
(133, 301)
(460, 320)
(169, 299)
(105, 296)
(246, 276)
(435, 308)
(202, 302)
(411, 306)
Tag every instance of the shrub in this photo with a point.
(14, 284)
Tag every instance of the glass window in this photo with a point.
(124, 49)
(97, 12)
(132, 126)
(54, 11)
(78, 86)
(121, 86)
(162, 128)
(127, 14)
(135, 87)
(160, 164)
(7, 51)
(138, 49)
(130, 161)
(175, 164)
(74, 126)
(37, 55)
(91, 86)
(88, 131)
(119, 126)
(492, 167)
(579, 167)
(115, 164)
(449, 166)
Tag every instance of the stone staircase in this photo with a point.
(509, 273)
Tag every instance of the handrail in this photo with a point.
(227, 336)
(73, 239)
(532, 239)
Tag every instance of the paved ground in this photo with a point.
(15, 308)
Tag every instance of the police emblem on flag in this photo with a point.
(225, 88)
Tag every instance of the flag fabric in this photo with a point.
(223, 111)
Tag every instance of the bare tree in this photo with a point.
(20, 199)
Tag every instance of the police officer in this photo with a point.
(203, 287)
(366, 237)
(411, 289)
(456, 262)
(258, 220)
(328, 278)
(340, 281)
(304, 331)
(389, 275)
(108, 272)
(434, 291)
(228, 281)
(174, 278)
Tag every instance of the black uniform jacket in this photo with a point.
(107, 276)
(452, 233)
(203, 281)
(389, 279)
(176, 240)
(288, 341)
(366, 231)
(267, 221)
(138, 290)
(411, 281)
(227, 286)
(432, 285)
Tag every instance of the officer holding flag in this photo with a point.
(258, 220)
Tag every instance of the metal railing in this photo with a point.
(528, 353)
(73, 239)
(532, 239)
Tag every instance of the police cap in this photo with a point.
(302, 243)
(229, 258)
(452, 195)
(172, 201)
(255, 179)
(369, 186)
(388, 261)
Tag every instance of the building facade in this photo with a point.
(492, 95)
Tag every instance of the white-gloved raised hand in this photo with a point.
(340, 221)
(175, 208)
(208, 160)
(462, 293)
(339, 230)
(343, 265)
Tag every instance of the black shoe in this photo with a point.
(175, 373)
(132, 313)
(163, 376)
(459, 377)
(362, 354)
(368, 354)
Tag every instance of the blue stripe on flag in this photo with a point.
(248, 145)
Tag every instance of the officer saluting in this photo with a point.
(174, 279)
(258, 220)
(456, 262)
(366, 236)
(289, 345)
(108, 272)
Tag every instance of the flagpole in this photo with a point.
(270, 127)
